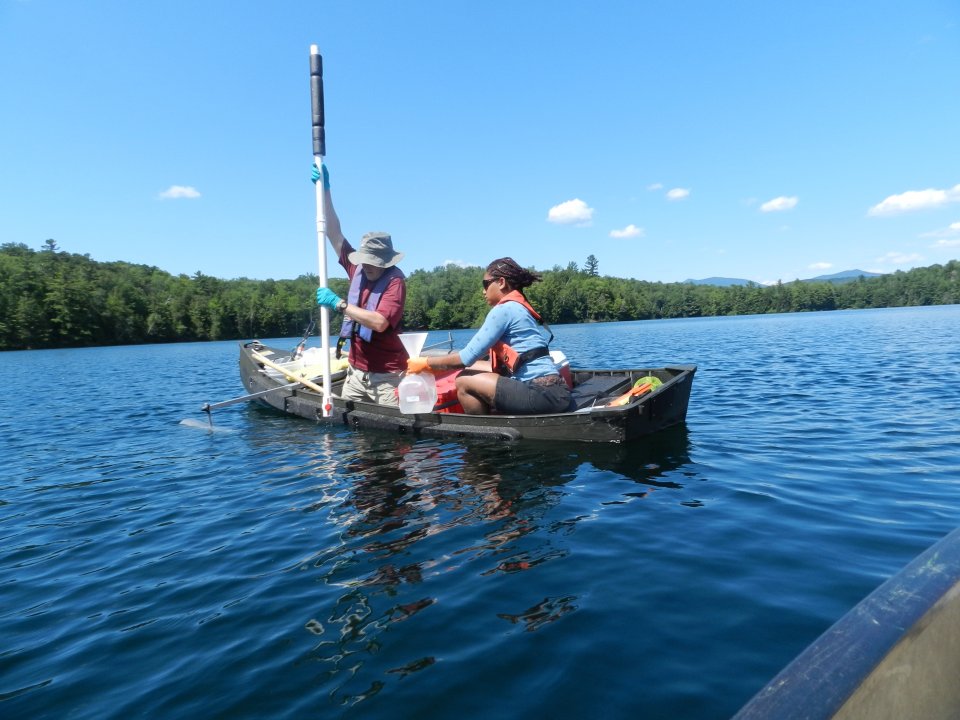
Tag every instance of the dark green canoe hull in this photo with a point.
(650, 413)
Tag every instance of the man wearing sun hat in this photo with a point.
(372, 311)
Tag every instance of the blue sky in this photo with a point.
(671, 140)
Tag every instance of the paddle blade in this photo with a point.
(630, 394)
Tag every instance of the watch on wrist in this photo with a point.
(342, 305)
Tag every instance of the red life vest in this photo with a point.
(503, 358)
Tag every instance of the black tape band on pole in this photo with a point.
(316, 101)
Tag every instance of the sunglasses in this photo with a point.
(486, 283)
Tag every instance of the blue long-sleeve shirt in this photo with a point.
(511, 323)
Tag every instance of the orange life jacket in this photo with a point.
(503, 358)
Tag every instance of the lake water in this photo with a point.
(151, 567)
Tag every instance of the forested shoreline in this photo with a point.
(51, 299)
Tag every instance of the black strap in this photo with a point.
(529, 356)
(548, 330)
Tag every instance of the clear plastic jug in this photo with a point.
(417, 393)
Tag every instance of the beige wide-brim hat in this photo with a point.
(376, 248)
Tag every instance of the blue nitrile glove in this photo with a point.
(315, 175)
(328, 298)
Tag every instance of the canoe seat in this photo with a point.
(598, 386)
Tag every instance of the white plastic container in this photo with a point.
(563, 366)
(417, 393)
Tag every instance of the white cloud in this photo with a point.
(177, 192)
(629, 231)
(678, 194)
(571, 212)
(915, 200)
(897, 258)
(820, 266)
(458, 263)
(652, 187)
(944, 243)
(950, 231)
(778, 204)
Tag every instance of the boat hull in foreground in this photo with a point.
(895, 655)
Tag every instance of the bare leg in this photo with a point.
(476, 392)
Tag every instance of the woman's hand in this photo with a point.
(418, 365)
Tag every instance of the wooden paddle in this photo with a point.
(290, 376)
(630, 394)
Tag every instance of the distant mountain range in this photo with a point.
(845, 276)
(720, 281)
(839, 277)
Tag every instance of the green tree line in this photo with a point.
(50, 298)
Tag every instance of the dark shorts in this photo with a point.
(529, 398)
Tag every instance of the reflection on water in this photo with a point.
(656, 461)
(413, 525)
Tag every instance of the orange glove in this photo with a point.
(418, 365)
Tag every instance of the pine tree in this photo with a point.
(590, 267)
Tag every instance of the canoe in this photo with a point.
(593, 420)
(895, 655)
